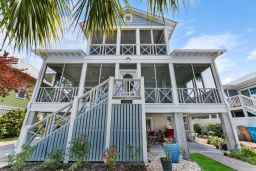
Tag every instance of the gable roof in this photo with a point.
(242, 82)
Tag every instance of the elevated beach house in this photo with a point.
(126, 84)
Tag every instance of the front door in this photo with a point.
(125, 73)
(127, 83)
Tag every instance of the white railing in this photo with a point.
(249, 102)
(128, 49)
(55, 120)
(48, 124)
(198, 95)
(234, 101)
(156, 49)
(103, 49)
(158, 95)
(93, 97)
(127, 88)
(56, 94)
(4, 109)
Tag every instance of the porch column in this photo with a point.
(82, 79)
(180, 130)
(229, 132)
(190, 123)
(138, 70)
(166, 41)
(174, 85)
(138, 41)
(117, 70)
(118, 41)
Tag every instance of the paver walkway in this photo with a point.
(5, 149)
(217, 155)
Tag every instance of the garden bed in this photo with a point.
(121, 166)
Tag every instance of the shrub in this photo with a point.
(135, 153)
(246, 154)
(53, 160)
(18, 161)
(11, 123)
(111, 155)
(211, 133)
(79, 151)
(216, 128)
(198, 129)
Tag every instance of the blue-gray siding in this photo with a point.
(141, 21)
(126, 128)
(56, 140)
(93, 124)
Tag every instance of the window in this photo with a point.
(128, 18)
(236, 114)
(149, 124)
(22, 93)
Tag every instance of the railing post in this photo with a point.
(82, 79)
(71, 127)
(88, 47)
(118, 41)
(110, 96)
(242, 104)
(137, 41)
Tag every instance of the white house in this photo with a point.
(126, 82)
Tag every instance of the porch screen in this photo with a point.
(97, 73)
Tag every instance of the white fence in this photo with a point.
(4, 109)
(158, 95)
(127, 88)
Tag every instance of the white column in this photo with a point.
(89, 41)
(138, 41)
(138, 70)
(190, 122)
(166, 41)
(118, 41)
(71, 127)
(180, 130)
(110, 95)
(143, 122)
(117, 70)
(174, 85)
(82, 79)
(152, 41)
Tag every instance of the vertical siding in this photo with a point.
(141, 21)
(126, 128)
(93, 124)
(56, 140)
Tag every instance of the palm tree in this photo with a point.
(34, 23)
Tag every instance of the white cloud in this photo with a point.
(217, 41)
(190, 32)
(252, 55)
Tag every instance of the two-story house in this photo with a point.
(126, 82)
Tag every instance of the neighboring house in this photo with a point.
(127, 83)
(241, 96)
(18, 100)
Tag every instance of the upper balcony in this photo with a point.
(129, 42)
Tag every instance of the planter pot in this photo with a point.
(172, 150)
(185, 156)
(166, 164)
(217, 147)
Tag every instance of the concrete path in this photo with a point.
(217, 155)
(6, 148)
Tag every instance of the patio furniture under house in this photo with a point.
(125, 85)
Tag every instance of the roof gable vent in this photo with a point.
(128, 18)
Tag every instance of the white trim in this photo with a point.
(174, 85)
(125, 18)
(82, 79)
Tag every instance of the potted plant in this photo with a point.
(149, 143)
(166, 163)
(185, 154)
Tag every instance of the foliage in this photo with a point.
(111, 156)
(11, 78)
(168, 140)
(135, 153)
(26, 29)
(210, 129)
(216, 141)
(79, 151)
(11, 123)
(53, 160)
(246, 154)
(167, 158)
(18, 161)
(208, 164)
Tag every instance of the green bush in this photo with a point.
(11, 123)
(111, 156)
(246, 154)
(18, 161)
(53, 160)
(79, 151)
(210, 129)
(135, 153)
(198, 129)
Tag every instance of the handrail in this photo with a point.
(234, 101)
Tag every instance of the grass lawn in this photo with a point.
(8, 139)
(208, 164)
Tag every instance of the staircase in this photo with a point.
(95, 114)
(239, 101)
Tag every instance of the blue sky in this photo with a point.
(228, 24)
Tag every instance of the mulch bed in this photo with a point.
(36, 166)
